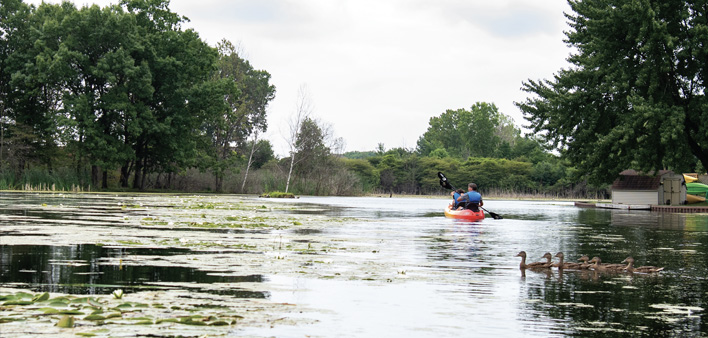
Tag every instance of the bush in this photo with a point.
(279, 194)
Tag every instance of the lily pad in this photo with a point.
(66, 322)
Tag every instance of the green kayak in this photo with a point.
(699, 189)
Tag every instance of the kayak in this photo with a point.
(695, 188)
(464, 214)
(690, 199)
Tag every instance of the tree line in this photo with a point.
(121, 97)
(122, 89)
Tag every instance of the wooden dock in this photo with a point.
(657, 208)
(679, 208)
(623, 206)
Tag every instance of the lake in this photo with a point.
(348, 266)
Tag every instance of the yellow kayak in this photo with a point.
(694, 199)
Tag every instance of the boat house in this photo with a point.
(633, 188)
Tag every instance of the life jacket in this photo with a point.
(472, 199)
(454, 198)
(473, 196)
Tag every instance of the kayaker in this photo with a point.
(472, 199)
(455, 194)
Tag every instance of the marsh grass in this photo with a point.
(38, 179)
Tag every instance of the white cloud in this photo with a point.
(377, 70)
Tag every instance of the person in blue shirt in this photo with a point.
(455, 194)
(472, 199)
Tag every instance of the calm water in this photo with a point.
(449, 277)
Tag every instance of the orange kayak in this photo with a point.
(464, 214)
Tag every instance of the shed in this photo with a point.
(632, 187)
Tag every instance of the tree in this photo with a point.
(13, 25)
(99, 47)
(310, 147)
(33, 96)
(464, 133)
(165, 135)
(303, 109)
(261, 152)
(247, 98)
(634, 96)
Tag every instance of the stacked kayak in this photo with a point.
(464, 214)
(696, 188)
(696, 192)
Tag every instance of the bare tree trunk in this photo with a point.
(290, 172)
(250, 161)
(105, 180)
(302, 111)
(125, 170)
(145, 174)
(218, 182)
(2, 135)
(94, 175)
(138, 172)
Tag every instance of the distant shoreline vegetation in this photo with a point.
(394, 172)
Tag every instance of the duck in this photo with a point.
(535, 265)
(599, 266)
(565, 265)
(642, 269)
(584, 259)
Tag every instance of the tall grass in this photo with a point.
(41, 179)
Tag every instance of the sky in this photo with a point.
(376, 71)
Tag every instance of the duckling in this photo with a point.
(599, 266)
(565, 265)
(535, 265)
(642, 269)
(584, 259)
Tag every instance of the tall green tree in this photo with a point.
(249, 93)
(634, 96)
(14, 28)
(463, 133)
(103, 74)
(311, 148)
(33, 93)
(183, 96)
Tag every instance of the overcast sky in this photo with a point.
(378, 70)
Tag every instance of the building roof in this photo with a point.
(637, 182)
(632, 172)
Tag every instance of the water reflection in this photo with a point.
(619, 303)
(402, 269)
(83, 269)
(665, 220)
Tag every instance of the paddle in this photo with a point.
(446, 184)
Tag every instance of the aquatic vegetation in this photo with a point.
(279, 194)
(118, 294)
(109, 312)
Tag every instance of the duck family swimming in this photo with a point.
(585, 263)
